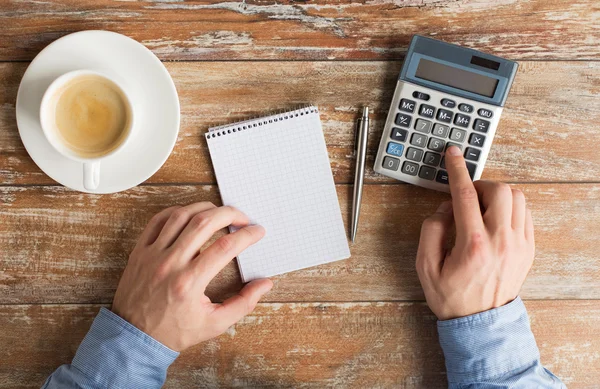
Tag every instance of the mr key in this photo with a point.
(445, 95)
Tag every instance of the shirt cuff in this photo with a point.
(488, 344)
(115, 354)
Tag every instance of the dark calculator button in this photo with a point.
(427, 172)
(472, 154)
(390, 163)
(407, 105)
(453, 144)
(403, 120)
(414, 154)
(471, 168)
(486, 113)
(410, 168)
(448, 103)
(458, 135)
(432, 159)
(395, 149)
(418, 140)
(443, 163)
(399, 134)
(442, 177)
(444, 115)
(476, 140)
(420, 95)
(436, 144)
(466, 108)
(481, 125)
(440, 130)
(427, 110)
(423, 125)
(462, 120)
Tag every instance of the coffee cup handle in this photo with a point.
(91, 175)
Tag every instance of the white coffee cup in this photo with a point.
(91, 166)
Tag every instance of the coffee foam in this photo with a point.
(91, 116)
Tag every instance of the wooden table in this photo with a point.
(355, 323)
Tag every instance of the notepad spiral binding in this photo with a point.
(258, 122)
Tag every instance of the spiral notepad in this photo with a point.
(276, 170)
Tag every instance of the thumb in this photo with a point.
(235, 308)
(434, 232)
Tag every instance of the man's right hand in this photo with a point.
(494, 246)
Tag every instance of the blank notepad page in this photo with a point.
(276, 170)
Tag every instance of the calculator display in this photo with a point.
(456, 78)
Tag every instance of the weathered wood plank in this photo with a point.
(64, 247)
(347, 29)
(548, 131)
(308, 345)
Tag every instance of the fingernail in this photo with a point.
(258, 229)
(445, 207)
(454, 151)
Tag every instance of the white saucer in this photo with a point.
(153, 93)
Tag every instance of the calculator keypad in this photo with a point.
(424, 130)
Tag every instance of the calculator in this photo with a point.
(445, 95)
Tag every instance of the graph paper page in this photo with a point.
(277, 172)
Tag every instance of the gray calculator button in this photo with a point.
(481, 125)
(448, 103)
(443, 163)
(422, 125)
(403, 120)
(458, 135)
(453, 144)
(472, 154)
(436, 144)
(462, 120)
(420, 95)
(466, 108)
(410, 168)
(390, 163)
(476, 140)
(432, 159)
(442, 177)
(399, 134)
(427, 172)
(427, 110)
(486, 113)
(440, 130)
(407, 105)
(414, 154)
(444, 115)
(471, 167)
(418, 140)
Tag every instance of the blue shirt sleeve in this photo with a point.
(115, 354)
(494, 349)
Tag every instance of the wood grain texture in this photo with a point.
(346, 29)
(548, 131)
(308, 345)
(65, 247)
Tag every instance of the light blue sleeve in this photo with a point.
(114, 354)
(494, 350)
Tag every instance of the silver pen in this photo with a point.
(362, 130)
